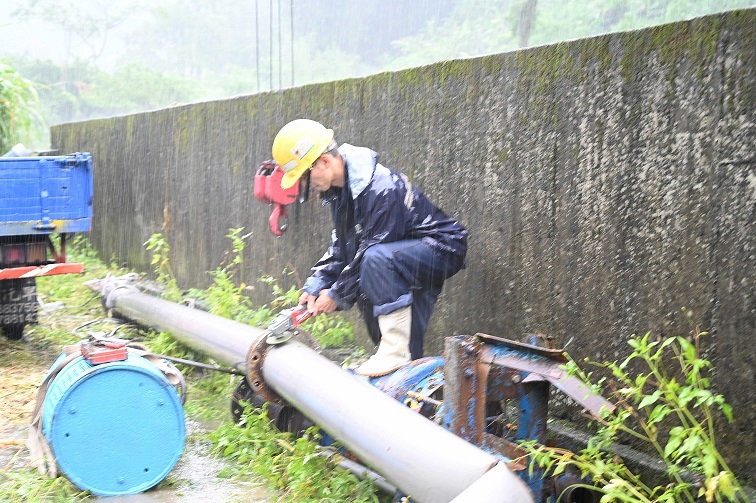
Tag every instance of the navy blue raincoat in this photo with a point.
(377, 205)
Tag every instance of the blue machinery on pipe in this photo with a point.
(484, 396)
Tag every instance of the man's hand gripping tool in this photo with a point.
(281, 329)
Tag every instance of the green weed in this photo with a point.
(238, 243)
(81, 249)
(30, 486)
(224, 296)
(228, 299)
(281, 298)
(669, 408)
(330, 330)
(297, 468)
(161, 263)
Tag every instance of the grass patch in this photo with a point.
(297, 468)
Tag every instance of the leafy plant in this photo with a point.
(673, 398)
(29, 485)
(161, 263)
(298, 468)
(82, 248)
(281, 298)
(238, 243)
(225, 297)
(330, 330)
(20, 120)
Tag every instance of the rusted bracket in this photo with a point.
(544, 363)
(256, 360)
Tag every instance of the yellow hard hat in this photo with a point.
(297, 146)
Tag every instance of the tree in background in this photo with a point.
(478, 27)
(176, 51)
(85, 24)
(134, 88)
(525, 25)
(20, 120)
(80, 91)
(61, 87)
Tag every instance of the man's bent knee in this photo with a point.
(376, 258)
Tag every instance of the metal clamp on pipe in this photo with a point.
(110, 287)
(281, 329)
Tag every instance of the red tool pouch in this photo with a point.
(268, 190)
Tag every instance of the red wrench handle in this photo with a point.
(300, 315)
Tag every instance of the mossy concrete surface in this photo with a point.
(607, 184)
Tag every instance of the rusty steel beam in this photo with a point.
(550, 369)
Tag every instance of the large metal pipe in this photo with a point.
(497, 481)
(421, 458)
(424, 460)
(226, 341)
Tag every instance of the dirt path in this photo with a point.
(22, 368)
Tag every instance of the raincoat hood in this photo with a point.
(360, 163)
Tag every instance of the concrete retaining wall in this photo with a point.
(607, 183)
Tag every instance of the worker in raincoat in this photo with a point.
(391, 248)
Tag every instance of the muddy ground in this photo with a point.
(23, 365)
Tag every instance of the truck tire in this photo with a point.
(13, 332)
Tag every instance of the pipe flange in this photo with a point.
(256, 357)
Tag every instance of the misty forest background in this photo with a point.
(97, 58)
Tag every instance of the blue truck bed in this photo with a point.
(45, 195)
